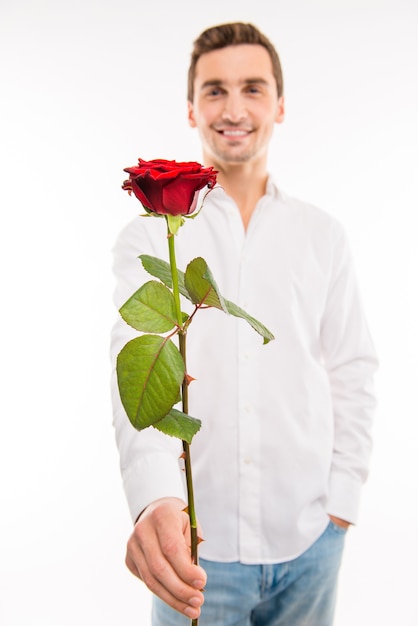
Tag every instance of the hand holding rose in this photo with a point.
(158, 553)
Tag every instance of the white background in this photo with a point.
(87, 87)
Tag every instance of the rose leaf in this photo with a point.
(151, 309)
(201, 285)
(161, 269)
(235, 310)
(150, 370)
(180, 425)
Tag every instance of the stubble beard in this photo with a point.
(232, 153)
(228, 156)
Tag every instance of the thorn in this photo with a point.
(200, 540)
(189, 379)
(182, 455)
(186, 510)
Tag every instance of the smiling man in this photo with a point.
(234, 102)
(285, 440)
(236, 111)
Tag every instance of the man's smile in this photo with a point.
(233, 132)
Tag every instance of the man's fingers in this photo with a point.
(172, 536)
(158, 554)
(161, 579)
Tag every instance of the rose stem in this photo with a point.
(185, 406)
(175, 279)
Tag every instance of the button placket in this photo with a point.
(249, 427)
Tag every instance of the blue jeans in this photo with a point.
(301, 592)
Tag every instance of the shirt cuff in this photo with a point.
(344, 497)
(150, 478)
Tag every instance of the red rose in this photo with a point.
(168, 187)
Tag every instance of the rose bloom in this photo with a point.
(167, 187)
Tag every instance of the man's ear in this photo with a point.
(280, 111)
(190, 114)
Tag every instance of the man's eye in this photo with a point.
(215, 91)
(253, 89)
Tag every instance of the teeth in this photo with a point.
(235, 133)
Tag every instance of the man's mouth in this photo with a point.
(233, 133)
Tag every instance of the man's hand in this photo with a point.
(339, 522)
(158, 552)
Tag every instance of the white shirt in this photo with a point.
(285, 437)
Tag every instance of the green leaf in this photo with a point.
(161, 269)
(234, 309)
(180, 425)
(201, 285)
(150, 370)
(151, 309)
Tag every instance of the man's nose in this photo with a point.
(234, 110)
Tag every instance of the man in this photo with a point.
(285, 439)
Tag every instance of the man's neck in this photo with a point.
(245, 184)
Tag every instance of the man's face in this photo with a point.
(235, 104)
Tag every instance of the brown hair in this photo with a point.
(232, 34)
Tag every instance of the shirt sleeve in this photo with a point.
(149, 460)
(351, 362)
